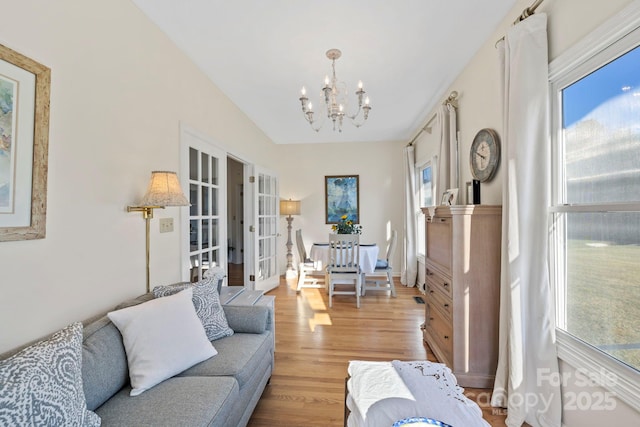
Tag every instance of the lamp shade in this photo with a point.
(289, 207)
(164, 190)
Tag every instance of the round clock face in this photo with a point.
(484, 155)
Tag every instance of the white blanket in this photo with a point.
(381, 393)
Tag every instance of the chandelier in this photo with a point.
(335, 104)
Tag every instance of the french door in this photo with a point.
(203, 166)
(264, 232)
(204, 174)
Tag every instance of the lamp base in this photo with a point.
(291, 274)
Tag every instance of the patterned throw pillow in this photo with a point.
(207, 304)
(42, 384)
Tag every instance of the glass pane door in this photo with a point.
(207, 242)
(266, 197)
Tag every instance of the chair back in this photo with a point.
(344, 253)
(302, 252)
(391, 249)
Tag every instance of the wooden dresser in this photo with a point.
(462, 258)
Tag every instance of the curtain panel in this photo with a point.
(410, 259)
(527, 357)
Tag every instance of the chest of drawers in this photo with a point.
(462, 259)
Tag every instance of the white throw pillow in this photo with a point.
(162, 338)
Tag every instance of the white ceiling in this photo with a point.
(260, 53)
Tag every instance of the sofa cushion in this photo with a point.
(239, 356)
(42, 384)
(206, 301)
(247, 319)
(104, 362)
(178, 401)
(162, 338)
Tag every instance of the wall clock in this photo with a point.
(484, 155)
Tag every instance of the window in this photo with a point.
(425, 189)
(596, 211)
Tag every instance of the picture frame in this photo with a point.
(450, 197)
(341, 197)
(24, 145)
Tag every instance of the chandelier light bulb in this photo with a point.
(366, 101)
(310, 106)
(303, 91)
(360, 84)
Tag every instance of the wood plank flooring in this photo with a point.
(314, 345)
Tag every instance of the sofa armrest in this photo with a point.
(248, 319)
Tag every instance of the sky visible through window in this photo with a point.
(621, 77)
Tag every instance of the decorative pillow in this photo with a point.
(162, 338)
(42, 384)
(206, 301)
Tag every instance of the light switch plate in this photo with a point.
(166, 225)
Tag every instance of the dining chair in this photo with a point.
(344, 250)
(306, 267)
(382, 277)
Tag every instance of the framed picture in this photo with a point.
(341, 197)
(24, 141)
(450, 197)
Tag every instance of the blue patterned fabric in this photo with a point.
(42, 384)
(419, 421)
(206, 301)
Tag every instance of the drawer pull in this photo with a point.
(431, 291)
(445, 284)
(443, 220)
(430, 318)
(446, 306)
(446, 337)
(429, 273)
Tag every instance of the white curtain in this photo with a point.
(446, 120)
(525, 382)
(410, 261)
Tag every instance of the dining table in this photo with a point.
(368, 256)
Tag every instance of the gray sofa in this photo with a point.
(221, 391)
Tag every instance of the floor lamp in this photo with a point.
(290, 207)
(164, 190)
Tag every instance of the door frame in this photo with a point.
(249, 213)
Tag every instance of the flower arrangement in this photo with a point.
(346, 226)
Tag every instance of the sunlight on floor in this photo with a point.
(319, 319)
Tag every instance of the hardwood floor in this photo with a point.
(235, 274)
(314, 345)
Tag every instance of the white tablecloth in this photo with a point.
(368, 256)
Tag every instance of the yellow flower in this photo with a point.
(343, 217)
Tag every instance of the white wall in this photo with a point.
(302, 169)
(479, 107)
(119, 90)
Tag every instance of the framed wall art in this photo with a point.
(341, 197)
(450, 197)
(24, 142)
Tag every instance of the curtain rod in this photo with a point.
(524, 15)
(452, 99)
(528, 11)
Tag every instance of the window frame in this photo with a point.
(613, 39)
(419, 167)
